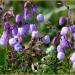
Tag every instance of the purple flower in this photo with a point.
(74, 36)
(60, 48)
(33, 27)
(35, 34)
(64, 31)
(54, 40)
(26, 4)
(4, 34)
(20, 31)
(69, 14)
(18, 18)
(14, 30)
(12, 42)
(7, 27)
(3, 41)
(46, 39)
(18, 47)
(61, 20)
(62, 38)
(4, 38)
(40, 18)
(23, 30)
(60, 55)
(74, 46)
(72, 58)
(26, 14)
(72, 29)
(26, 27)
(64, 43)
(34, 8)
(19, 38)
(73, 66)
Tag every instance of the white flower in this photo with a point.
(12, 41)
(20, 31)
(60, 55)
(64, 31)
(34, 67)
(72, 58)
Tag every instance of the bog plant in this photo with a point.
(35, 54)
(67, 38)
(13, 36)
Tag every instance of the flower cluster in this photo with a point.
(67, 39)
(13, 34)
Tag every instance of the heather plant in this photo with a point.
(13, 37)
(30, 45)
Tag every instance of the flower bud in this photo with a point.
(60, 48)
(18, 18)
(25, 28)
(12, 42)
(20, 31)
(74, 36)
(54, 40)
(4, 38)
(64, 43)
(64, 31)
(15, 30)
(4, 35)
(34, 8)
(26, 14)
(7, 27)
(26, 4)
(3, 41)
(60, 55)
(73, 66)
(61, 20)
(46, 39)
(35, 34)
(72, 28)
(74, 46)
(40, 18)
(33, 27)
(72, 58)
